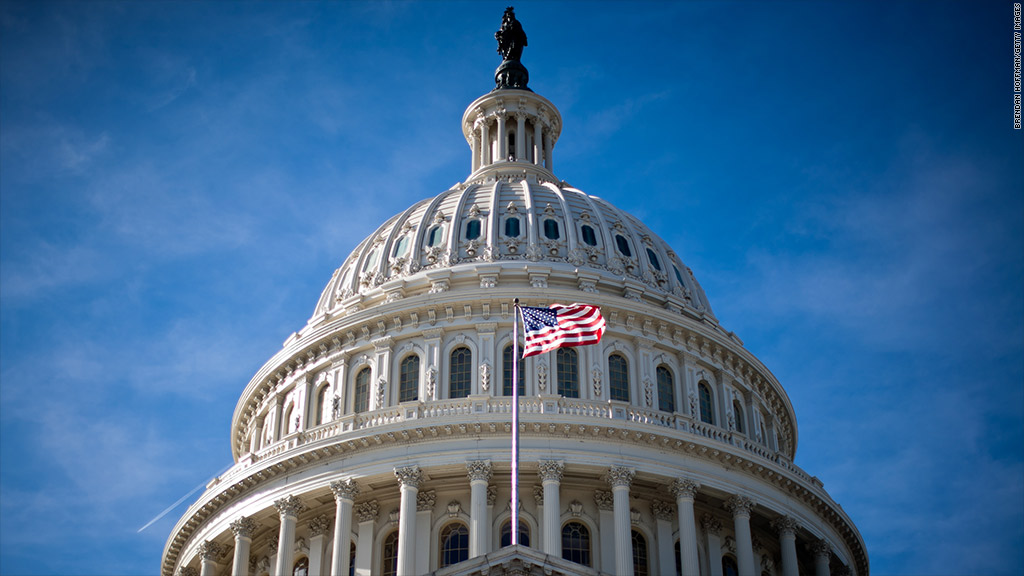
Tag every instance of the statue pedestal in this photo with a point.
(511, 74)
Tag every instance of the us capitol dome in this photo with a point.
(377, 441)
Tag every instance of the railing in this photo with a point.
(533, 405)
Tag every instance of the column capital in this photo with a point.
(739, 505)
(272, 543)
(603, 499)
(210, 550)
(820, 547)
(409, 476)
(289, 506)
(367, 511)
(684, 488)
(662, 510)
(620, 476)
(425, 500)
(345, 489)
(551, 470)
(319, 526)
(479, 470)
(785, 525)
(711, 524)
(244, 527)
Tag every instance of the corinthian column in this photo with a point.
(345, 492)
(713, 529)
(409, 480)
(209, 552)
(243, 527)
(620, 478)
(822, 551)
(289, 508)
(740, 507)
(786, 527)
(479, 472)
(685, 490)
(551, 479)
(318, 528)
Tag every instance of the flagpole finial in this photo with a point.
(515, 301)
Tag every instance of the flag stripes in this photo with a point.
(559, 326)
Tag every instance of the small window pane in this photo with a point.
(666, 390)
(589, 238)
(618, 377)
(409, 379)
(362, 399)
(459, 379)
(402, 246)
(435, 236)
(678, 275)
(506, 534)
(640, 567)
(551, 229)
(512, 227)
(567, 373)
(372, 260)
(623, 245)
(389, 555)
(654, 259)
(472, 230)
(737, 413)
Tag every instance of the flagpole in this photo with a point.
(515, 423)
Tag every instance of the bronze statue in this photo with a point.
(511, 38)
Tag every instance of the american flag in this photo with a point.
(559, 325)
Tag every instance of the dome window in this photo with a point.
(737, 412)
(472, 230)
(512, 227)
(666, 390)
(551, 229)
(654, 259)
(706, 413)
(361, 402)
(623, 245)
(640, 567)
(402, 247)
(506, 534)
(454, 544)
(678, 275)
(409, 379)
(567, 373)
(618, 377)
(372, 260)
(435, 236)
(506, 373)
(459, 376)
(576, 543)
(388, 555)
(321, 401)
(589, 238)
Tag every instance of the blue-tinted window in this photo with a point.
(567, 372)
(506, 373)
(362, 393)
(623, 245)
(618, 377)
(678, 275)
(454, 544)
(409, 379)
(654, 259)
(589, 238)
(640, 561)
(506, 534)
(576, 543)
(512, 227)
(737, 413)
(666, 390)
(706, 412)
(472, 230)
(435, 236)
(402, 246)
(551, 230)
(460, 375)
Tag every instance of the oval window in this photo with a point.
(589, 238)
(623, 245)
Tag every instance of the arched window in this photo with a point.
(729, 567)
(435, 236)
(567, 372)
(666, 390)
(506, 373)
(361, 401)
(706, 412)
(576, 543)
(618, 377)
(506, 534)
(459, 373)
(640, 562)
(653, 259)
(512, 227)
(623, 245)
(287, 426)
(472, 229)
(551, 230)
(409, 379)
(388, 555)
(589, 238)
(737, 413)
(454, 544)
(321, 399)
(764, 427)
(301, 567)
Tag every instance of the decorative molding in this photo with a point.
(684, 488)
(289, 506)
(739, 506)
(426, 500)
(454, 508)
(367, 511)
(345, 489)
(662, 510)
(576, 508)
(319, 526)
(210, 550)
(485, 376)
(785, 525)
(244, 527)
(550, 470)
(620, 476)
(492, 495)
(711, 524)
(604, 499)
(409, 476)
(479, 470)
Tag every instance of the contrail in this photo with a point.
(183, 498)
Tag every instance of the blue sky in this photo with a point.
(178, 180)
